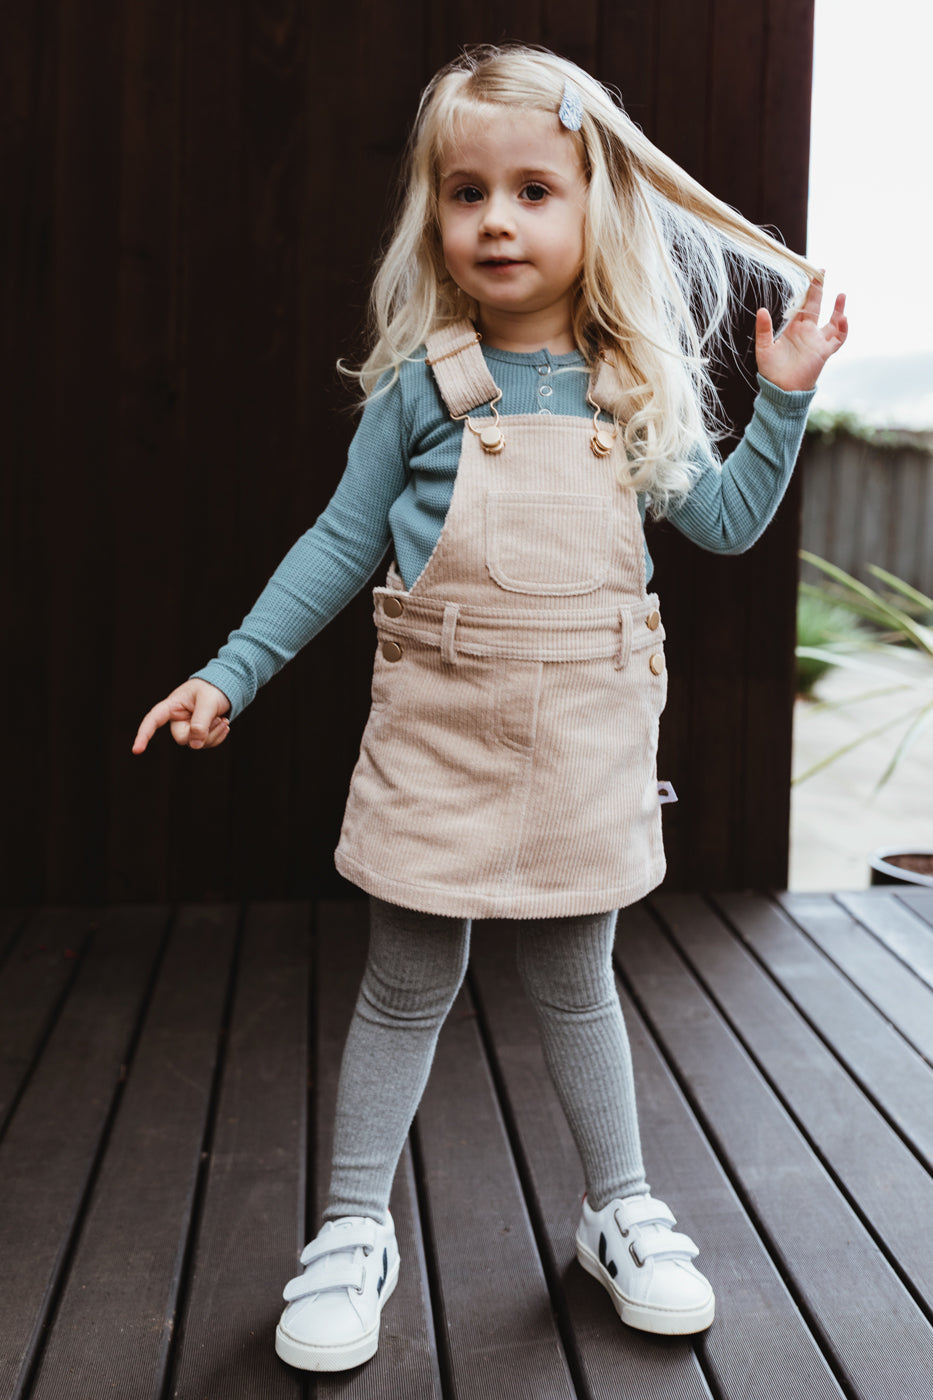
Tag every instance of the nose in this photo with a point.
(497, 219)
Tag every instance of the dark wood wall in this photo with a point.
(192, 196)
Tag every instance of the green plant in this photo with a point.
(897, 615)
(824, 627)
(826, 426)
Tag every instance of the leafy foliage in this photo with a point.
(824, 626)
(827, 427)
(898, 616)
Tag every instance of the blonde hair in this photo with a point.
(663, 259)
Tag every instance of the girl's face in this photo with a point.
(512, 202)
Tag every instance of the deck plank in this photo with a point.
(159, 1172)
(602, 1348)
(254, 1192)
(405, 1366)
(889, 985)
(898, 1079)
(894, 925)
(42, 960)
(48, 1156)
(494, 1308)
(760, 1344)
(879, 1174)
(114, 1323)
(814, 1236)
(918, 897)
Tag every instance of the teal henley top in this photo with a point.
(399, 480)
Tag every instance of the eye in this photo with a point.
(534, 193)
(468, 194)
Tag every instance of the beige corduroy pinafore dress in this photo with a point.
(508, 767)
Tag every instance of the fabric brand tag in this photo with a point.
(666, 792)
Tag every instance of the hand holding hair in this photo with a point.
(795, 358)
(195, 713)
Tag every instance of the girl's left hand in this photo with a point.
(796, 359)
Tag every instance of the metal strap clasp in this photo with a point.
(490, 437)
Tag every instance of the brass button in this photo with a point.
(391, 651)
(654, 620)
(657, 664)
(393, 607)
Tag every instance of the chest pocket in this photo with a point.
(548, 542)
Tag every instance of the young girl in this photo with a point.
(537, 381)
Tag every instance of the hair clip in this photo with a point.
(571, 108)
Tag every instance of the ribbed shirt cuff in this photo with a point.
(790, 403)
(224, 679)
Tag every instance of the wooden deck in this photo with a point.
(160, 1149)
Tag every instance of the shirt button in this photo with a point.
(545, 391)
(653, 620)
(544, 369)
(392, 607)
(544, 413)
(656, 663)
(391, 651)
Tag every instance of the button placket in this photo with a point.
(544, 391)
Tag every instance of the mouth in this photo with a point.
(501, 262)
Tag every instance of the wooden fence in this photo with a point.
(871, 503)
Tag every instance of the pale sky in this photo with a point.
(871, 169)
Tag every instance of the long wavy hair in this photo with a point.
(663, 261)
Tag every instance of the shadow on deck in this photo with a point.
(161, 1152)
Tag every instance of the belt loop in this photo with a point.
(625, 638)
(448, 633)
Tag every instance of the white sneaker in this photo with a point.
(645, 1266)
(334, 1307)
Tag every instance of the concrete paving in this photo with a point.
(837, 817)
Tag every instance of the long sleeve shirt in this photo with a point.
(399, 480)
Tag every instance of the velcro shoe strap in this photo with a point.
(642, 1211)
(326, 1276)
(645, 1210)
(669, 1244)
(336, 1241)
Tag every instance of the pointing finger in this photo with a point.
(159, 714)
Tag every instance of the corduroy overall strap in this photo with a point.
(464, 379)
(459, 368)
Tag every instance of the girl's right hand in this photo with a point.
(195, 712)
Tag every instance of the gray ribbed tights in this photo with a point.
(415, 967)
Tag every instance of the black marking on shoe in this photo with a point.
(385, 1272)
(607, 1264)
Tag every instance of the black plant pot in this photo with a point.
(887, 869)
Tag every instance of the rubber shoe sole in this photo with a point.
(666, 1322)
(306, 1357)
